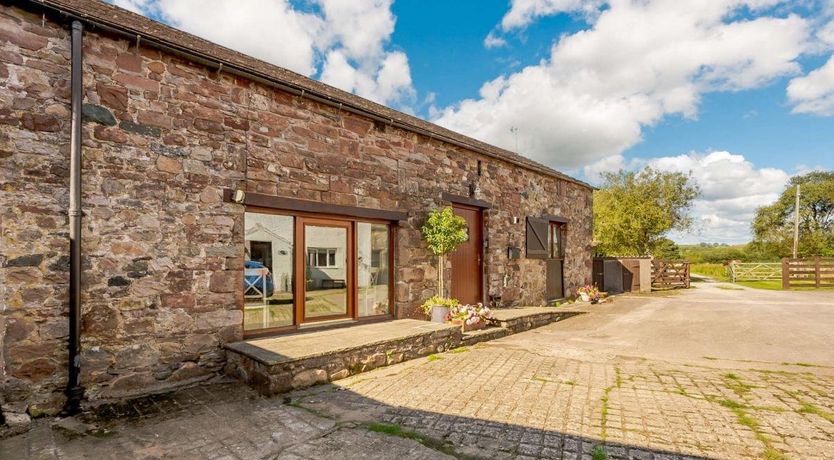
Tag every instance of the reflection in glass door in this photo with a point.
(328, 272)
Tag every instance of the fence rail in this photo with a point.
(755, 271)
(815, 272)
(670, 274)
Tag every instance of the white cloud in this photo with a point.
(346, 40)
(814, 93)
(639, 62)
(732, 188)
(494, 41)
(524, 12)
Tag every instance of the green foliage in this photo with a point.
(444, 231)
(437, 300)
(718, 272)
(714, 253)
(598, 453)
(667, 249)
(633, 211)
(773, 225)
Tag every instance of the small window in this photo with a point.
(321, 257)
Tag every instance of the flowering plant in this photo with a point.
(440, 301)
(589, 293)
(470, 315)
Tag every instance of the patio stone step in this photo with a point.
(279, 364)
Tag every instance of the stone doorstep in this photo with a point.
(271, 373)
(271, 358)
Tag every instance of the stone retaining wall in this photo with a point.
(270, 379)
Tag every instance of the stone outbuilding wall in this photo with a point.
(163, 253)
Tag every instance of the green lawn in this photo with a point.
(776, 285)
(715, 271)
(718, 272)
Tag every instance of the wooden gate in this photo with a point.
(755, 271)
(815, 273)
(670, 274)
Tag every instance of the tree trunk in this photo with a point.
(441, 265)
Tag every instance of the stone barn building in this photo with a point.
(223, 198)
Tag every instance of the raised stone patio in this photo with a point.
(278, 364)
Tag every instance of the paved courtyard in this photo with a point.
(711, 372)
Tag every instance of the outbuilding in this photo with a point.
(223, 197)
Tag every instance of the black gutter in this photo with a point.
(74, 390)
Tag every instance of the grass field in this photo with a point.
(718, 272)
(715, 271)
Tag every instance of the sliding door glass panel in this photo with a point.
(326, 271)
(268, 271)
(372, 248)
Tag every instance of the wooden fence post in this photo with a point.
(817, 271)
(786, 276)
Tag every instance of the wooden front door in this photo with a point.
(467, 260)
(555, 283)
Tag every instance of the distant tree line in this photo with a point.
(773, 227)
(635, 211)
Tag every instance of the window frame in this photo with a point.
(354, 220)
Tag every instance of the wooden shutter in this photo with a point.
(537, 238)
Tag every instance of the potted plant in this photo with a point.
(444, 232)
(437, 308)
(470, 317)
(589, 293)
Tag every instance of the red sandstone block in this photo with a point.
(168, 165)
(225, 281)
(23, 39)
(137, 82)
(114, 97)
(156, 67)
(156, 119)
(129, 62)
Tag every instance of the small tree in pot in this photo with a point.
(444, 232)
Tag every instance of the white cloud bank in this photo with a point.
(732, 188)
(639, 62)
(523, 12)
(346, 41)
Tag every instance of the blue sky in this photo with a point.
(739, 93)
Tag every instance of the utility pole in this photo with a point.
(796, 223)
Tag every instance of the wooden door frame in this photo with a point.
(300, 267)
(481, 256)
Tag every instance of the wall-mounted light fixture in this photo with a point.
(515, 219)
(239, 196)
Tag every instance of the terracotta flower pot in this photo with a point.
(469, 327)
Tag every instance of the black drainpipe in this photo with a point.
(74, 390)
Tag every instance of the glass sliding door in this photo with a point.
(327, 269)
(268, 279)
(373, 269)
(305, 268)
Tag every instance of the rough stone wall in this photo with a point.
(163, 253)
